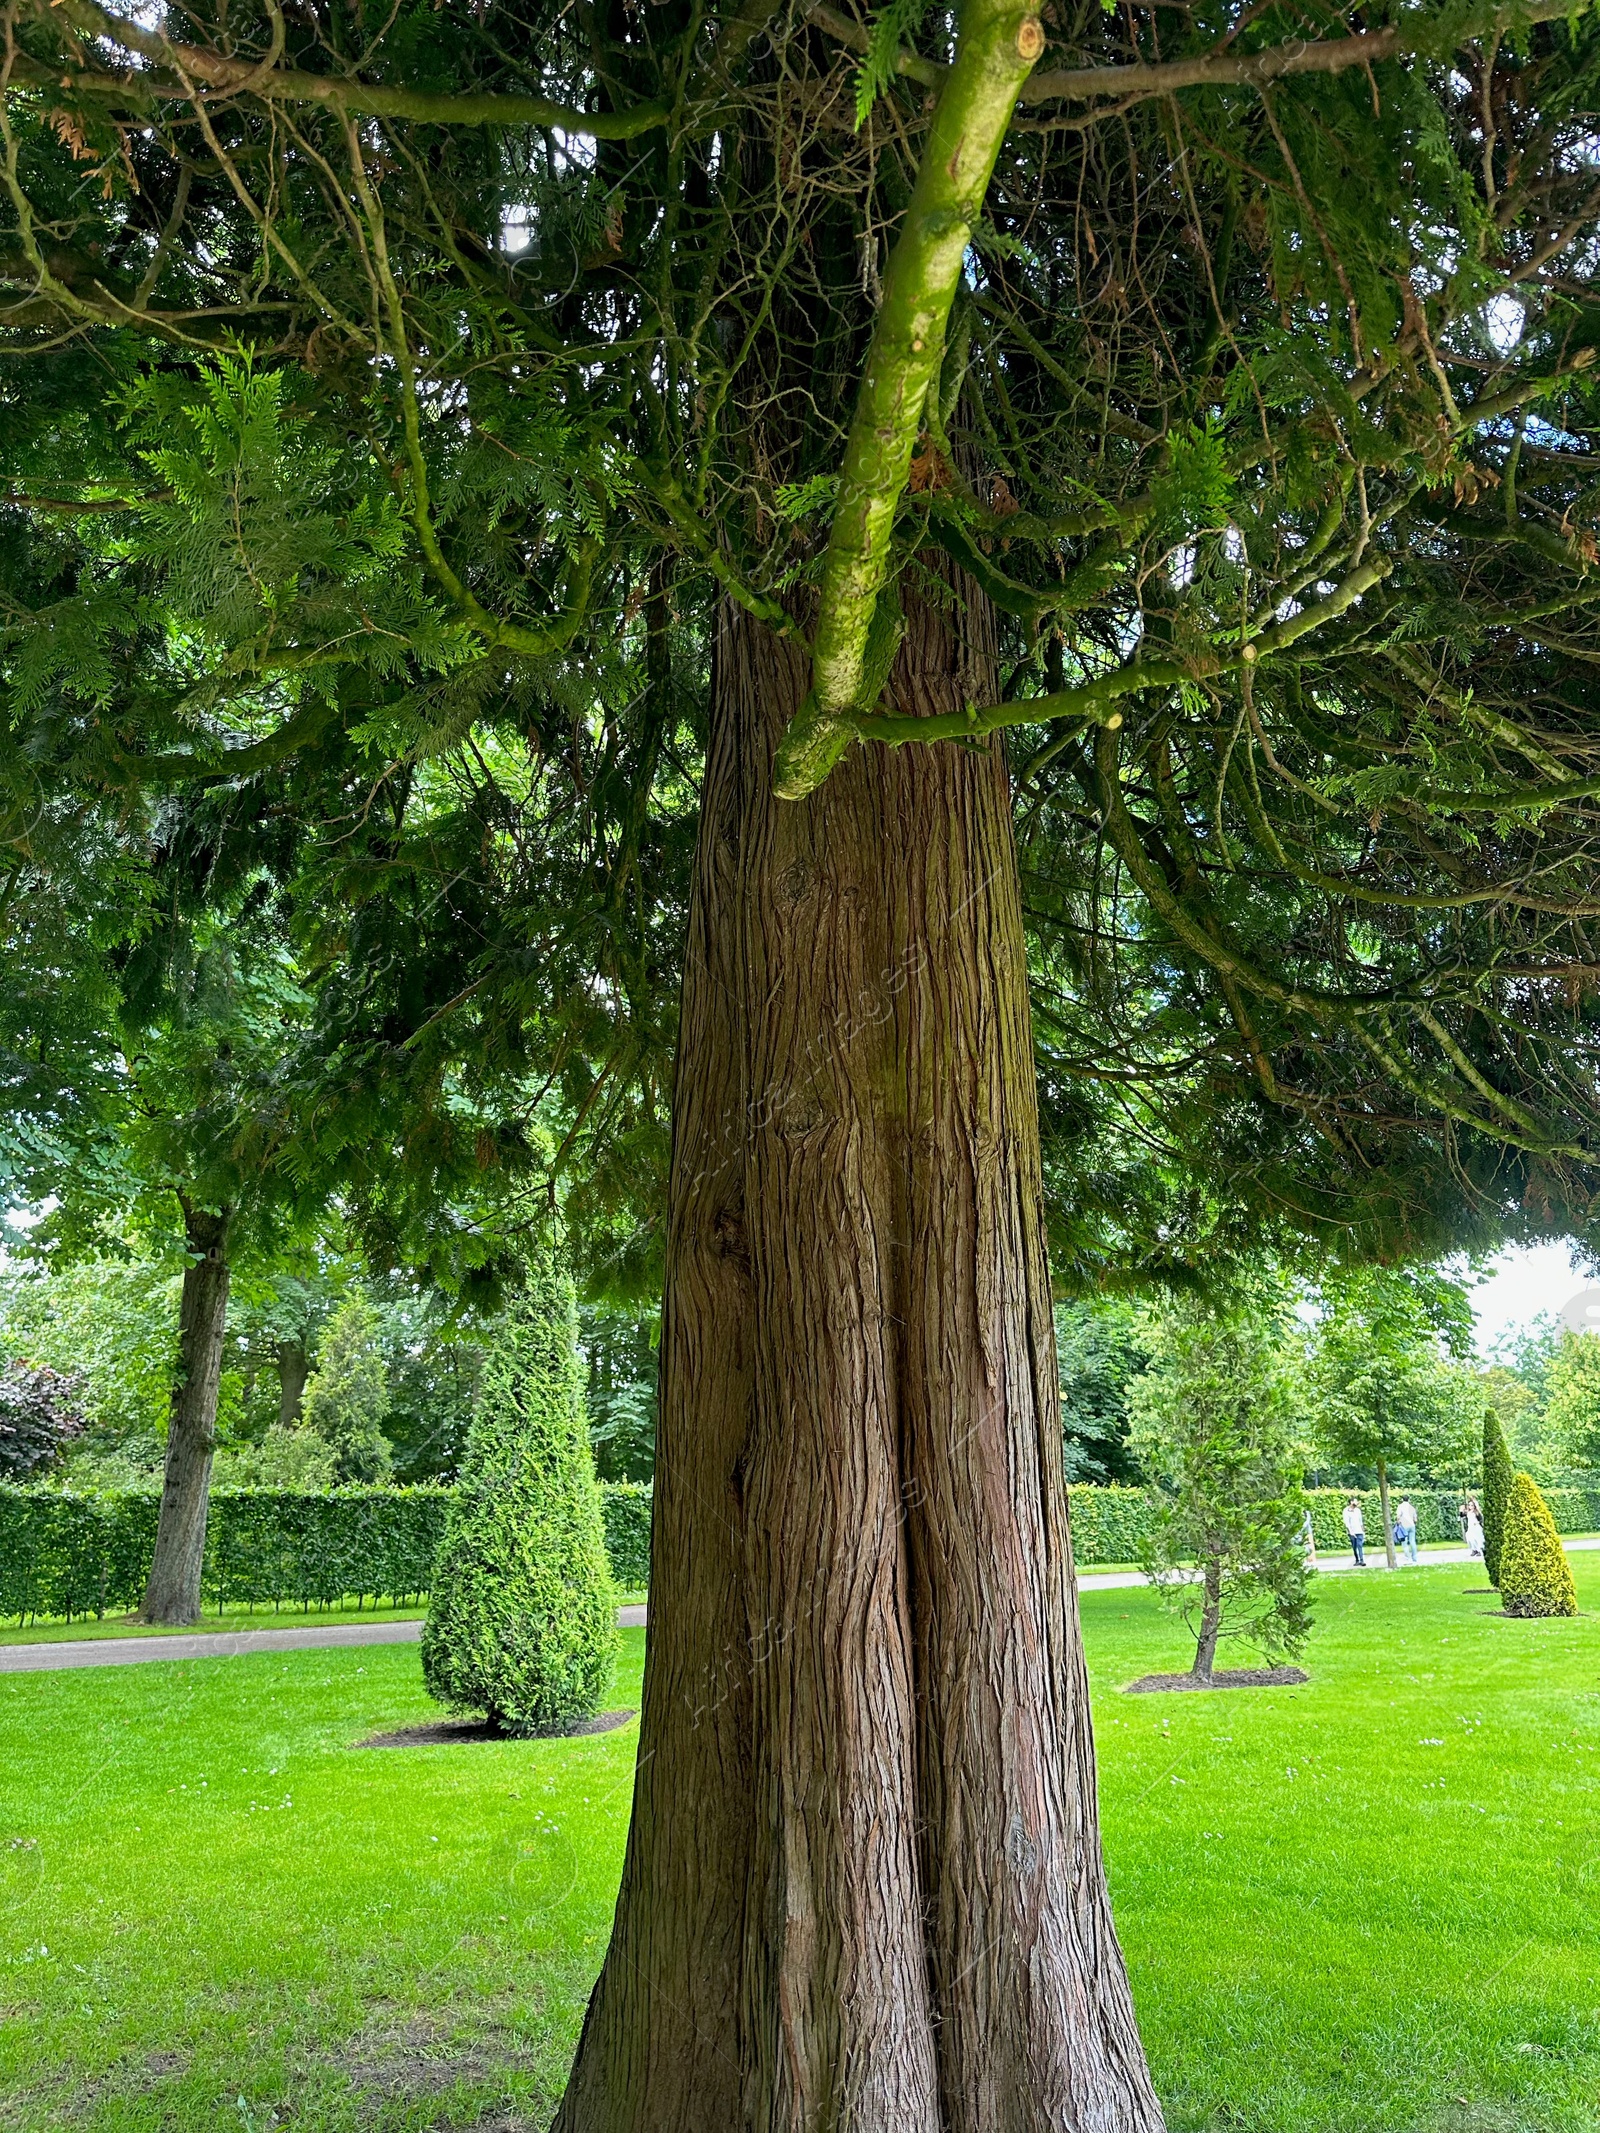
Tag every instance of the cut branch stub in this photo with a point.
(997, 45)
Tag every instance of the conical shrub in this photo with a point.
(1535, 1576)
(522, 1616)
(1498, 1475)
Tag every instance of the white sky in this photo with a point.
(1523, 1282)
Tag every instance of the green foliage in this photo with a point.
(294, 1459)
(347, 1396)
(521, 1619)
(1379, 1374)
(111, 1320)
(1572, 1407)
(625, 1507)
(619, 1349)
(68, 1552)
(1100, 1352)
(1213, 1424)
(1498, 1476)
(1535, 1576)
(895, 25)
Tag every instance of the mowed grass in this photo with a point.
(1371, 1902)
(90, 1629)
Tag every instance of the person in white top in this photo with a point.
(1356, 1526)
(1474, 1530)
(1405, 1527)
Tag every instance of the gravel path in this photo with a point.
(229, 1644)
(234, 1644)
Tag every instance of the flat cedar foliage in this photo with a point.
(1498, 1476)
(394, 396)
(521, 1614)
(1535, 1576)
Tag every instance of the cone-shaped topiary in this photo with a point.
(522, 1617)
(1535, 1576)
(1498, 1475)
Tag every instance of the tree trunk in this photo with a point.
(173, 1593)
(863, 1890)
(1388, 1516)
(294, 1367)
(1205, 1652)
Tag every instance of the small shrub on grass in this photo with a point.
(522, 1616)
(1535, 1576)
(1498, 1475)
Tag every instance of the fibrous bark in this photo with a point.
(173, 1592)
(294, 1367)
(863, 1888)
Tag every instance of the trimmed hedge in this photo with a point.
(63, 1554)
(625, 1508)
(90, 1555)
(1108, 1524)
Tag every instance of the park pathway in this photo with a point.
(238, 1643)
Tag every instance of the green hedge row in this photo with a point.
(625, 1508)
(89, 1555)
(72, 1555)
(1108, 1523)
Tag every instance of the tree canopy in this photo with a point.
(392, 398)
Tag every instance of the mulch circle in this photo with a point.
(1239, 1677)
(454, 1732)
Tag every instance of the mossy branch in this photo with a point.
(997, 45)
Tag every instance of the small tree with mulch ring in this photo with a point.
(1535, 1576)
(1498, 1475)
(522, 1616)
(1213, 1423)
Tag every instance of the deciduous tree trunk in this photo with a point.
(863, 1890)
(294, 1367)
(1388, 1515)
(1205, 1652)
(173, 1593)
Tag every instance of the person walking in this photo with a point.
(1405, 1529)
(1474, 1522)
(1356, 1526)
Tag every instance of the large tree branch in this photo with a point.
(997, 44)
(233, 77)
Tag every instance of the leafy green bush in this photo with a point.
(522, 1614)
(1498, 1476)
(1535, 1576)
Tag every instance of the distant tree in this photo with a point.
(39, 1418)
(619, 1348)
(1572, 1408)
(1100, 1353)
(347, 1395)
(521, 1618)
(1498, 1475)
(108, 1318)
(1383, 1392)
(1213, 1425)
(1535, 1576)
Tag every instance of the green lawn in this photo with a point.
(1345, 1906)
